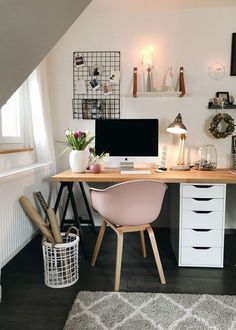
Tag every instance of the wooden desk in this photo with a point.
(111, 175)
(68, 178)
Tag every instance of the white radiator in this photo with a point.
(16, 230)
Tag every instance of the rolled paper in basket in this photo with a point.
(58, 239)
(36, 218)
(54, 225)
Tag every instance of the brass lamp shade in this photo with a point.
(177, 127)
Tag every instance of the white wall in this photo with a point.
(189, 37)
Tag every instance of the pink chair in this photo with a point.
(129, 207)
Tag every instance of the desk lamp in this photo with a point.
(177, 127)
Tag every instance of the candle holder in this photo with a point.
(149, 80)
(207, 158)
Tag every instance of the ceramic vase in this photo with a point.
(78, 160)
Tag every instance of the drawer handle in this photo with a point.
(199, 186)
(200, 247)
(206, 212)
(202, 230)
(203, 199)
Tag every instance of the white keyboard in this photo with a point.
(135, 172)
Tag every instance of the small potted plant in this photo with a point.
(96, 161)
(77, 142)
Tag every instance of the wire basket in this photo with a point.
(61, 261)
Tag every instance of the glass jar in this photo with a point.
(207, 158)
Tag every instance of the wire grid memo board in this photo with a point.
(96, 84)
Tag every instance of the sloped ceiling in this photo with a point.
(28, 30)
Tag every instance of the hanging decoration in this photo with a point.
(216, 71)
(222, 125)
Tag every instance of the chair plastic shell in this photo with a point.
(130, 203)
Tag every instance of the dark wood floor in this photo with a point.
(28, 304)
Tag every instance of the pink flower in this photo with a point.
(77, 135)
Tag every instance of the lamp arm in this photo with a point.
(180, 160)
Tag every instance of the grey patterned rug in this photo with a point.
(147, 311)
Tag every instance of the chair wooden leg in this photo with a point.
(143, 246)
(98, 243)
(156, 254)
(119, 252)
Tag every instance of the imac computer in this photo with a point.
(129, 142)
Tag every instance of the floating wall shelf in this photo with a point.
(226, 106)
(157, 94)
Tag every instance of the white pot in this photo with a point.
(78, 160)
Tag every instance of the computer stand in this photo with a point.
(126, 165)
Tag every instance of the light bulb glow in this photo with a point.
(147, 56)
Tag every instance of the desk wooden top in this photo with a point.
(114, 175)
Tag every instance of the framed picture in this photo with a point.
(224, 96)
(233, 149)
(233, 55)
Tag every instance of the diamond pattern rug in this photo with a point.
(147, 311)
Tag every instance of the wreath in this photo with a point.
(214, 129)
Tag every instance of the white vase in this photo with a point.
(78, 160)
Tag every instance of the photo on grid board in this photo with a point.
(107, 89)
(79, 61)
(95, 70)
(115, 77)
(81, 86)
(94, 84)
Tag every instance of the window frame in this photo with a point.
(22, 141)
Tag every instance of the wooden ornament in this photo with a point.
(181, 81)
(135, 82)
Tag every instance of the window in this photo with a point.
(14, 120)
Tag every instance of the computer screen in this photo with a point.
(127, 138)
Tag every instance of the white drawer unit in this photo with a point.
(203, 204)
(202, 237)
(202, 219)
(201, 257)
(203, 191)
(200, 226)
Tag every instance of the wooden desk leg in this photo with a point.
(87, 207)
(74, 208)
